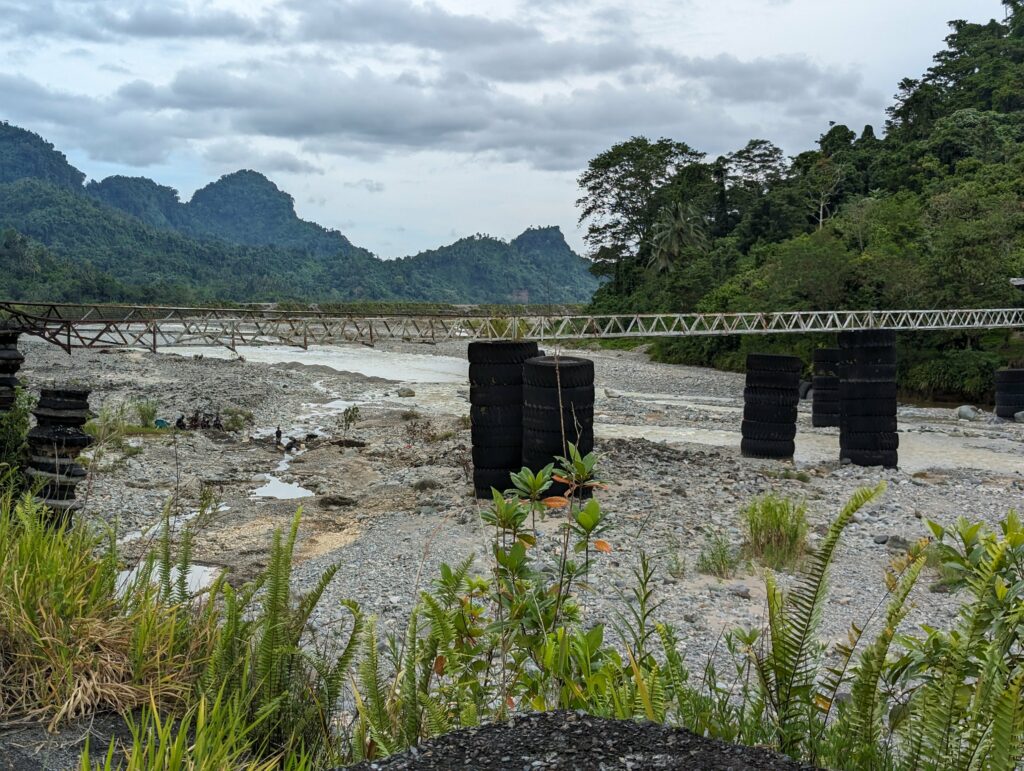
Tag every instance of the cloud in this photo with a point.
(233, 154)
(369, 185)
(94, 20)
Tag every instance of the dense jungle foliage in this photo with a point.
(237, 239)
(929, 216)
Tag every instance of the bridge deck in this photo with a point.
(153, 327)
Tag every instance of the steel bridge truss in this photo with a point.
(154, 327)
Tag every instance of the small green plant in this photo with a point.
(776, 530)
(14, 425)
(146, 411)
(235, 419)
(718, 557)
(349, 418)
(465, 422)
(408, 415)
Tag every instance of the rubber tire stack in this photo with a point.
(825, 401)
(54, 444)
(496, 414)
(769, 406)
(1009, 392)
(867, 393)
(558, 393)
(11, 360)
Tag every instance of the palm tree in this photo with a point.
(679, 229)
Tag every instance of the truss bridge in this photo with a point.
(154, 327)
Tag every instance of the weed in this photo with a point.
(423, 485)
(146, 411)
(14, 424)
(349, 418)
(465, 422)
(776, 530)
(718, 557)
(408, 415)
(235, 419)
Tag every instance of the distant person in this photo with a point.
(180, 423)
(277, 435)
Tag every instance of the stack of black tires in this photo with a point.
(54, 443)
(867, 392)
(11, 360)
(496, 414)
(825, 385)
(769, 406)
(1009, 392)
(558, 409)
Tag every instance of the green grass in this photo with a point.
(718, 557)
(776, 530)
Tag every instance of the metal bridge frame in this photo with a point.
(154, 327)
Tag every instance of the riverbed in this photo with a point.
(389, 498)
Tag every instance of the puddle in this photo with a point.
(282, 491)
(400, 367)
(176, 523)
(199, 577)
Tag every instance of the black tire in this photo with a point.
(786, 397)
(770, 362)
(496, 436)
(770, 432)
(757, 379)
(538, 396)
(769, 413)
(875, 442)
(500, 352)
(1010, 400)
(1009, 376)
(486, 476)
(62, 404)
(489, 456)
(867, 338)
(869, 407)
(486, 415)
(12, 354)
(1009, 388)
(826, 397)
(58, 436)
(825, 382)
(754, 448)
(9, 367)
(551, 441)
(67, 392)
(495, 374)
(871, 356)
(805, 389)
(537, 460)
(1008, 413)
(868, 423)
(496, 396)
(885, 458)
(555, 371)
(548, 420)
(825, 420)
(9, 381)
(867, 390)
(868, 373)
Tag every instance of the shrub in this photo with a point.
(14, 425)
(776, 530)
(146, 411)
(236, 419)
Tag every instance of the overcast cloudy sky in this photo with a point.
(408, 124)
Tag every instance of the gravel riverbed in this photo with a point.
(390, 512)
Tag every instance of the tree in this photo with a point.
(678, 229)
(822, 182)
(623, 190)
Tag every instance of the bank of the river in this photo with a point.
(390, 512)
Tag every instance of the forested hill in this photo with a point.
(930, 215)
(240, 239)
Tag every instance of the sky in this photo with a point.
(407, 124)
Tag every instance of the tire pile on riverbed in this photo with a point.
(770, 400)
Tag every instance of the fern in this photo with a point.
(788, 668)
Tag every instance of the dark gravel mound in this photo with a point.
(569, 740)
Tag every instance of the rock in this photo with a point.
(967, 412)
(1019, 417)
(898, 543)
(881, 539)
(609, 393)
(740, 590)
(405, 392)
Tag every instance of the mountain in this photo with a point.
(240, 239)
